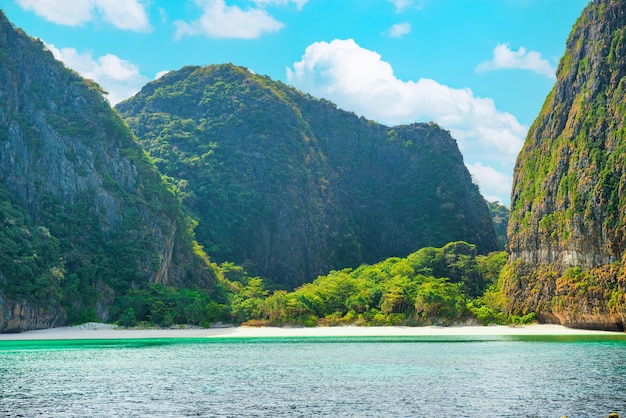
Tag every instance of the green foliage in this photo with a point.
(166, 306)
(500, 216)
(31, 267)
(618, 43)
(85, 216)
(493, 307)
(439, 299)
(293, 197)
(487, 314)
(457, 261)
(247, 302)
(430, 286)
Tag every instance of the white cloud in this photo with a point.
(264, 3)
(487, 178)
(120, 78)
(399, 30)
(358, 80)
(160, 74)
(506, 59)
(123, 14)
(60, 11)
(402, 5)
(221, 21)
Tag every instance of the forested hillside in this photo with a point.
(290, 186)
(432, 286)
(85, 215)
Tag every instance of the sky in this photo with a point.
(481, 69)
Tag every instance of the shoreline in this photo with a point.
(97, 331)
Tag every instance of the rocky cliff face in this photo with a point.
(568, 217)
(86, 215)
(17, 315)
(290, 186)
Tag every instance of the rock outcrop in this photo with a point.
(86, 215)
(292, 187)
(567, 231)
(17, 315)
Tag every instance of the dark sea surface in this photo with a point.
(312, 377)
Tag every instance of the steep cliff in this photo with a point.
(292, 187)
(568, 217)
(85, 214)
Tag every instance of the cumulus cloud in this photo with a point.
(264, 3)
(120, 78)
(219, 20)
(399, 30)
(358, 80)
(123, 14)
(506, 59)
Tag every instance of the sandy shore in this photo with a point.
(106, 331)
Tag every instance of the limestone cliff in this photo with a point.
(567, 231)
(85, 214)
(292, 187)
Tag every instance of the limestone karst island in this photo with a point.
(217, 195)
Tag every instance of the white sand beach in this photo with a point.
(106, 331)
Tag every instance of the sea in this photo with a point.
(482, 376)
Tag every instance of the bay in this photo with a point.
(508, 376)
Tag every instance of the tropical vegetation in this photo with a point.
(433, 286)
(292, 187)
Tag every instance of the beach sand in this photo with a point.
(96, 331)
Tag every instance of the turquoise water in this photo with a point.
(311, 377)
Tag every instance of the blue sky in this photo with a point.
(479, 68)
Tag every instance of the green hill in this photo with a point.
(85, 215)
(290, 186)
